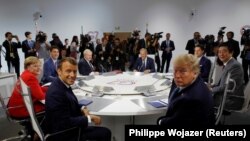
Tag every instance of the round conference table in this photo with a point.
(123, 94)
(123, 98)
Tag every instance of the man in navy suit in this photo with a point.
(85, 66)
(62, 110)
(190, 103)
(205, 63)
(28, 45)
(143, 63)
(50, 66)
(167, 47)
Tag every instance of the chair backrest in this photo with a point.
(246, 98)
(223, 100)
(29, 105)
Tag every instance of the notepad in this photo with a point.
(159, 103)
(85, 102)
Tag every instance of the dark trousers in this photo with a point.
(164, 59)
(96, 133)
(15, 64)
(158, 63)
(246, 68)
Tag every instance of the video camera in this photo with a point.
(85, 38)
(41, 37)
(156, 36)
(136, 33)
(221, 31)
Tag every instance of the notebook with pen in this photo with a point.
(85, 102)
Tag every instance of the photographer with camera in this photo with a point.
(167, 47)
(118, 56)
(154, 48)
(245, 53)
(12, 56)
(145, 43)
(85, 44)
(133, 48)
(42, 46)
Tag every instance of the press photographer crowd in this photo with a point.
(111, 54)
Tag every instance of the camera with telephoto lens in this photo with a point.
(41, 37)
(221, 31)
(156, 36)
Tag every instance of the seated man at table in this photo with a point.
(50, 65)
(62, 110)
(190, 103)
(85, 66)
(143, 63)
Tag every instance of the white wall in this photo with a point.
(66, 17)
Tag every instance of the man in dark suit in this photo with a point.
(28, 45)
(190, 103)
(50, 66)
(85, 66)
(193, 42)
(205, 63)
(11, 55)
(143, 63)
(145, 43)
(233, 44)
(167, 47)
(62, 110)
(234, 100)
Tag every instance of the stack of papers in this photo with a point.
(159, 103)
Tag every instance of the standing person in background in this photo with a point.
(74, 47)
(42, 46)
(197, 40)
(11, 55)
(28, 45)
(167, 47)
(205, 63)
(233, 44)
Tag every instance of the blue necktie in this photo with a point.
(175, 91)
(143, 66)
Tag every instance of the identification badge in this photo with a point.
(156, 54)
(116, 58)
(102, 58)
(12, 55)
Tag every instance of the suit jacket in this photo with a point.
(190, 107)
(205, 66)
(191, 44)
(49, 70)
(164, 46)
(234, 100)
(26, 48)
(14, 46)
(236, 48)
(84, 68)
(149, 65)
(37, 94)
(62, 110)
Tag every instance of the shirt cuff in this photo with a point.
(89, 118)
